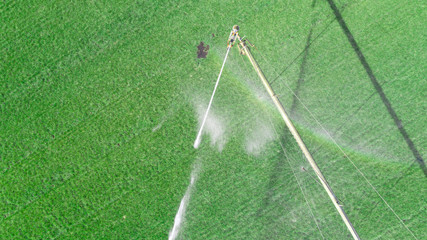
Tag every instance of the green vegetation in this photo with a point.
(98, 116)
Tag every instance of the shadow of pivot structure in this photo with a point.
(378, 87)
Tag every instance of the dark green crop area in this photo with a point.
(100, 103)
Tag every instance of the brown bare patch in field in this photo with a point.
(202, 50)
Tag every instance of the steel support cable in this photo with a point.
(300, 142)
(346, 156)
(299, 185)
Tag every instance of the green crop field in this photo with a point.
(101, 102)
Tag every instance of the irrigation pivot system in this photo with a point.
(245, 50)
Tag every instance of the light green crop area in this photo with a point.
(101, 101)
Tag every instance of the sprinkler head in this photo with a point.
(233, 36)
(235, 28)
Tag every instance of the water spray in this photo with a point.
(230, 43)
(245, 50)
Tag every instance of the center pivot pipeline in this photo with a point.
(230, 43)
